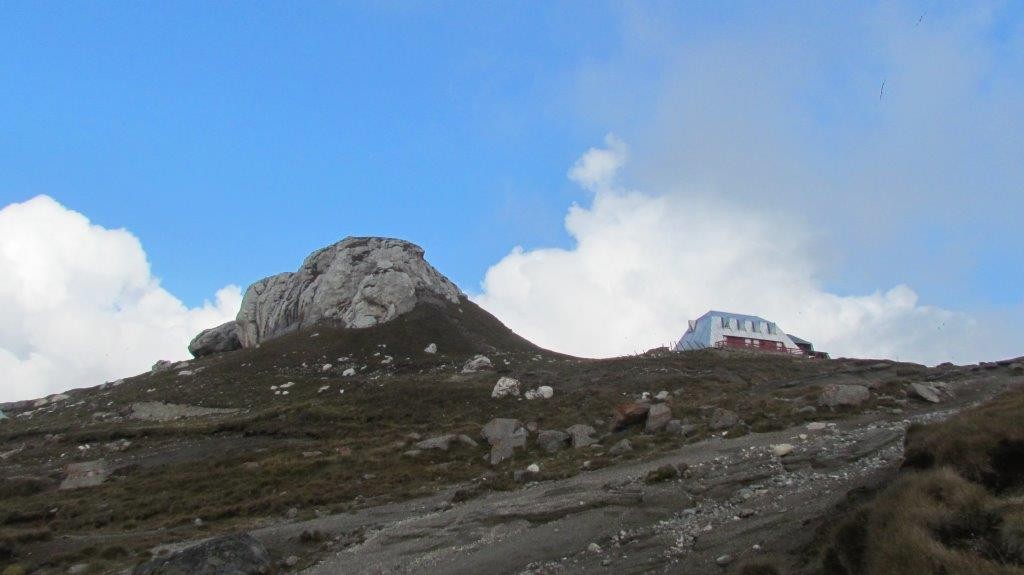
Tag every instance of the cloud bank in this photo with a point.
(644, 264)
(79, 305)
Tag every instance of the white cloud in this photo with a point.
(79, 306)
(644, 264)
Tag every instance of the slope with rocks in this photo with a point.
(339, 446)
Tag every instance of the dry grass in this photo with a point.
(957, 508)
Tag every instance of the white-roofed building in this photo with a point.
(732, 330)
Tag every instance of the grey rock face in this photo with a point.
(231, 555)
(478, 363)
(843, 395)
(85, 474)
(504, 436)
(357, 282)
(218, 339)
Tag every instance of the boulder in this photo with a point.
(431, 349)
(723, 419)
(2, 416)
(232, 555)
(836, 395)
(504, 436)
(581, 435)
(356, 283)
(161, 365)
(477, 363)
(216, 340)
(658, 417)
(552, 440)
(505, 387)
(630, 414)
(925, 392)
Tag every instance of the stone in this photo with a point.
(925, 392)
(505, 387)
(657, 418)
(594, 548)
(724, 560)
(349, 372)
(79, 569)
(674, 427)
(782, 450)
(581, 435)
(661, 396)
(220, 339)
(533, 468)
(545, 392)
(86, 474)
(446, 442)
(816, 426)
(2, 415)
(499, 429)
(431, 349)
(161, 365)
(291, 561)
(621, 447)
(478, 363)
(355, 283)
(326, 367)
(629, 414)
(838, 395)
(231, 555)
(722, 419)
(552, 440)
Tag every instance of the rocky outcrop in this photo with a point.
(234, 555)
(835, 395)
(356, 283)
(218, 339)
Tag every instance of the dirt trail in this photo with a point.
(737, 499)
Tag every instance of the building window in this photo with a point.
(725, 322)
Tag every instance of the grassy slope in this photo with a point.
(958, 508)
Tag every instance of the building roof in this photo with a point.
(703, 332)
(730, 315)
(798, 339)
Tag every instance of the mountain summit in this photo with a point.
(359, 282)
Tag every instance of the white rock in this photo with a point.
(505, 387)
(286, 385)
(357, 282)
(545, 391)
(327, 367)
(478, 363)
(533, 468)
(594, 548)
(349, 372)
(432, 348)
(782, 449)
(323, 389)
(816, 426)
(662, 395)
(184, 373)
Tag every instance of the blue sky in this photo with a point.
(231, 139)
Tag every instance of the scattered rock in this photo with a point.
(621, 447)
(724, 560)
(581, 435)
(836, 395)
(817, 426)
(218, 339)
(594, 548)
(431, 349)
(657, 418)
(79, 569)
(542, 392)
(478, 363)
(87, 474)
(661, 396)
(723, 419)
(349, 372)
(505, 387)
(629, 414)
(925, 392)
(674, 427)
(235, 555)
(533, 468)
(504, 436)
(552, 440)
